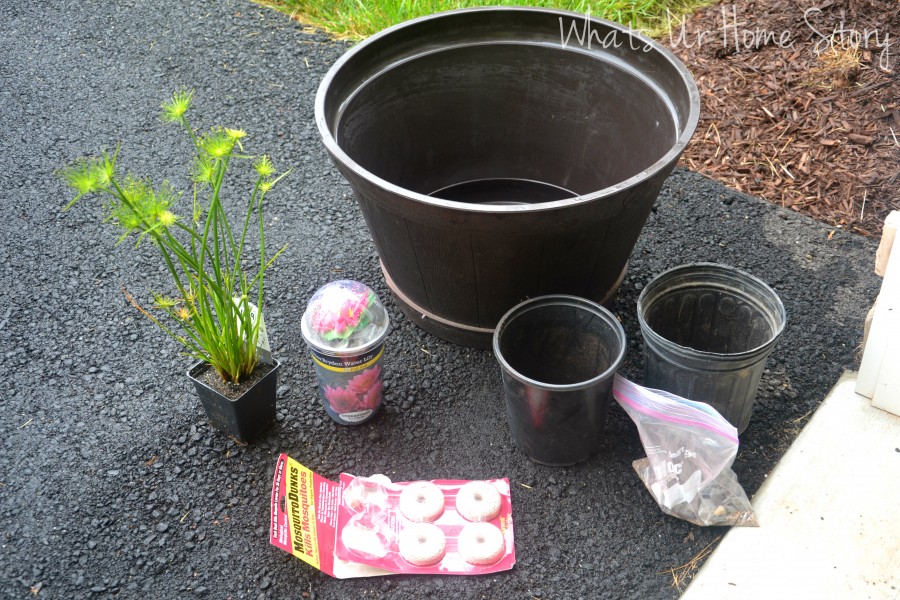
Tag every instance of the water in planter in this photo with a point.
(503, 191)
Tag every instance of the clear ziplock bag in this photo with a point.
(690, 449)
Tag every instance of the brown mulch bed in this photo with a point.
(804, 110)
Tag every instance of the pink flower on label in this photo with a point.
(341, 399)
(365, 380)
(343, 316)
(372, 398)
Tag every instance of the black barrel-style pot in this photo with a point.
(504, 153)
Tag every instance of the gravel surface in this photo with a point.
(111, 482)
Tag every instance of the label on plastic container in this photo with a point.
(347, 364)
(350, 386)
(262, 338)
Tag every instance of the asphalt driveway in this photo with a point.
(111, 482)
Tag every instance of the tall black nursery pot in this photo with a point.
(502, 153)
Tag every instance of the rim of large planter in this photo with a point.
(687, 128)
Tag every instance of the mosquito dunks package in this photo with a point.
(366, 526)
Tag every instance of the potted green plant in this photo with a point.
(209, 311)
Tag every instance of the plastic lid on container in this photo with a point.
(344, 316)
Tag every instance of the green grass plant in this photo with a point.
(358, 19)
(210, 312)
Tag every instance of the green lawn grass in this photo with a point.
(358, 19)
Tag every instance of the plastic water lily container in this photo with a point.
(344, 327)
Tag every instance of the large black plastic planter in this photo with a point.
(248, 416)
(493, 162)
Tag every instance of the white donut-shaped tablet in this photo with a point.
(422, 502)
(422, 544)
(478, 501)
(481, 543)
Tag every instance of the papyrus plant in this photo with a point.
(209, 310)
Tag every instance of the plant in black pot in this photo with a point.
(210, 310)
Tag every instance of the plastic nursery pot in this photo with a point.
(500, 153)
(344, 327)
(244, 418)
(558, 355)
(708, 330)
